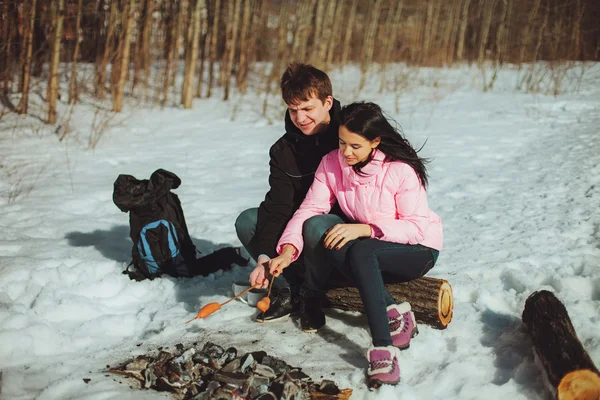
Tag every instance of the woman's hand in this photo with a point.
(259, 275)
(281, 262)
(340, 234)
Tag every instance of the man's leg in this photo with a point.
(245, 227)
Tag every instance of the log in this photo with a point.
(569, 369)
(430, 299)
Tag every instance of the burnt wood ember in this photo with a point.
(211, 372)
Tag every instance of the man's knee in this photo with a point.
(246, 222)
(315, 227)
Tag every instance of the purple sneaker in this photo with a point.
(383, 366)
(403, 326)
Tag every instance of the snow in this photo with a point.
(515, 178)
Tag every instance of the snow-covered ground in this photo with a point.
(515, 178)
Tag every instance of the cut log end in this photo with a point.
(445, 304)
(581, 384)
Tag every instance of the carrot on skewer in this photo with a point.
(263, 304)
(206, 311)
(212, 307)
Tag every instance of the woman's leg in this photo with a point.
(367, 259)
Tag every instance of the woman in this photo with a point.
(379, 182)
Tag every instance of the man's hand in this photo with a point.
(259, 275)
(340, 234)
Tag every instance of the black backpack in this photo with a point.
(161, 242)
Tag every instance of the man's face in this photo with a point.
(312, 115)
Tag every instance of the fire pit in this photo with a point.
(212, 372)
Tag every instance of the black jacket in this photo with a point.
(294, 161)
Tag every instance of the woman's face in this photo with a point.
(354, 147)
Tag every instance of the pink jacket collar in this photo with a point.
(368, 173)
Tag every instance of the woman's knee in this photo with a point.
(315, 227)
(361, 257)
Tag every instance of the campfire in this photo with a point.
(211, 372)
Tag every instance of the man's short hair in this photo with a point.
(299, 82)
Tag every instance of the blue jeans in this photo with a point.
(312, 256)
(364, 261)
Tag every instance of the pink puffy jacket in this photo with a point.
(386, 195)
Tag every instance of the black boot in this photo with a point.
(282, 305)
(312, 317)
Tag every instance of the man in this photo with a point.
(311, 132)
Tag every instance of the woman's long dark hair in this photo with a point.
(368, 121)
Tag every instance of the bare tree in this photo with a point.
(52, 92)
(73, 91)
(348, 35)
(463, 29)
(108, 43)
(232, 47)
(369, 43)
(26, 70)
(486, 20)
(192, 56)
(172, 45)
(204, 42)
(118, 93)
(142, 53)
(390, 38)
(244, 39)
(213, 45)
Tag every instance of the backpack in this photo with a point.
(161, 242)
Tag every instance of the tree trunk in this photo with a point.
(52, 92)
(348, 35)
(108, 44)
(369, 43)
(26, 71)
(463, 30)
(232, 47)
(213, 46)
(243, 63)
(258, 19)
(119, 92)
(526, 39)
(568, 367)
(391, 26)
(73, 91)
(23, 42)
(171, 44)
(204, 34)
(228, 34)
(486, 21)
(318, 32)
(430, 299)
(327, 33)
(192, 56)
(142, 50)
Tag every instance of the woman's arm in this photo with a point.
(412, 211)
(318, 200)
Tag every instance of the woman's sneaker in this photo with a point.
(383, 366)
(403, 326)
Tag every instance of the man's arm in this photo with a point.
(275, 211)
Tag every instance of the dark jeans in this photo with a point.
(364, 260)
(312, 256)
